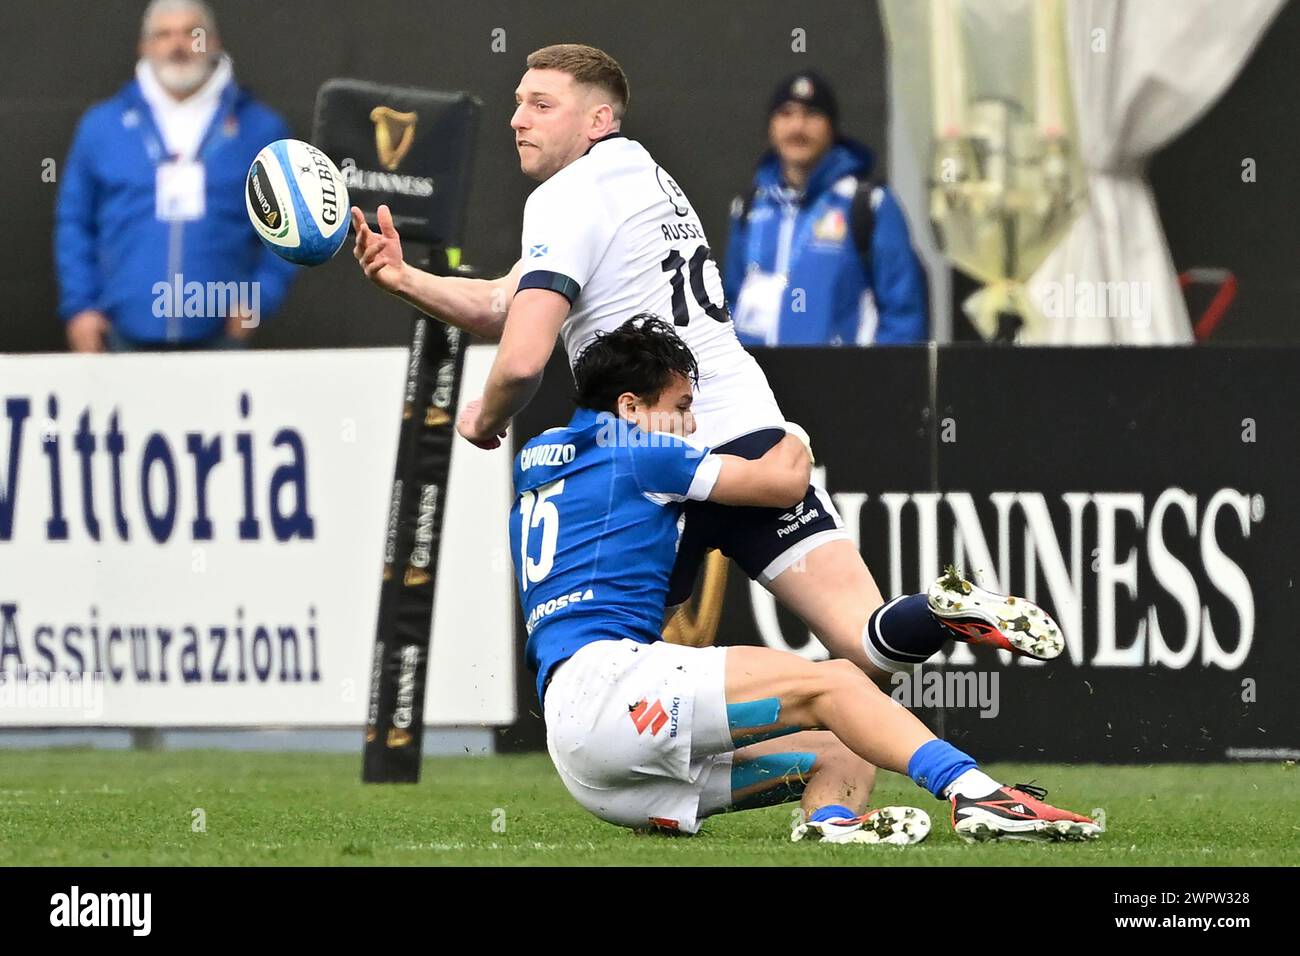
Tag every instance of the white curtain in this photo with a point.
(1161, 65)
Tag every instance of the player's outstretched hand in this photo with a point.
(380, 254)
(467, 423)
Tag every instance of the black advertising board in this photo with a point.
(1151, 494)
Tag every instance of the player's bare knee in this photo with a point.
(823, 744)
(842, 675)
(838, 679)
(802, 693)
(831, 751)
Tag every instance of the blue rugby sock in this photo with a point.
(936, 764)
(834, 811)
(903, 633)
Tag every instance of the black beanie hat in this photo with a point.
(810, 89)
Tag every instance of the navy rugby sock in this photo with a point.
(903, 633)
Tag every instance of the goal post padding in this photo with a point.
(411, 149)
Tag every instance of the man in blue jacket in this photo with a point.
(819, 252)
(152, 242)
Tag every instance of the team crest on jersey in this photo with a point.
(538, 250)
(673, 192)
(831, 227)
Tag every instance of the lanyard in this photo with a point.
(153, 141)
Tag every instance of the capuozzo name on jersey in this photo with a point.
(546, 455)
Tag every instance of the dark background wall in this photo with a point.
(1212, 218)
(700, 73)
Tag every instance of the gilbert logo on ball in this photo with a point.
(297, 202)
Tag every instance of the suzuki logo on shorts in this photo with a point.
(647, 716)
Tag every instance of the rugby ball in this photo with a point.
(297, 202)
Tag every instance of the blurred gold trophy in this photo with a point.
(987, 82)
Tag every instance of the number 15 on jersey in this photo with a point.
(537, 509)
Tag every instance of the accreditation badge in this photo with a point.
(180, 191)
(757, 314)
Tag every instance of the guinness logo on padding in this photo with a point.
(394, 133)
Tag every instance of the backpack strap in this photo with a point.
(862, 219)
(862, 215)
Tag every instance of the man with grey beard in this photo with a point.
(152, 244)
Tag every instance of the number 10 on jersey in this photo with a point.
(673, 263)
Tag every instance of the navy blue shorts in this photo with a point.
(763, 541)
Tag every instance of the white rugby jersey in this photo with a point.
(615, 235)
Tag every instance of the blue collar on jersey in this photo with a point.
(584, 418)
(608, 136)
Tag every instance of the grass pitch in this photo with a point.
(87, 808)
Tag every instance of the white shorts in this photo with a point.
(639, 735)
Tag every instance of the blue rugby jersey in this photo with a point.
(594, 531)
